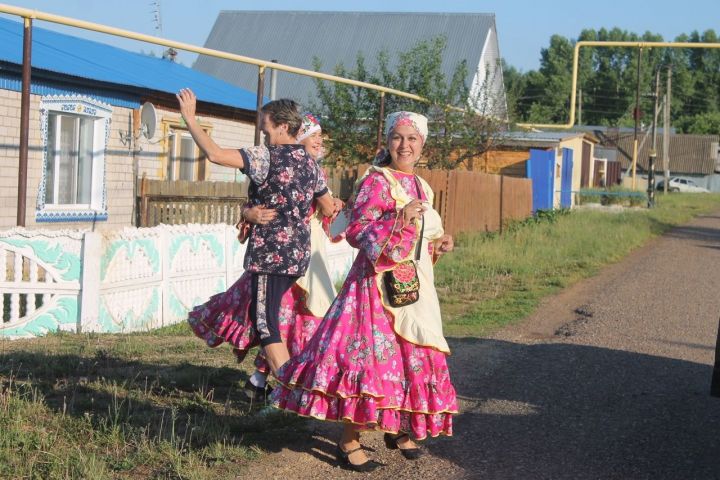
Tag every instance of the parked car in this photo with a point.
(677, 184)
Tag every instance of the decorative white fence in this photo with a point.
(135, 279)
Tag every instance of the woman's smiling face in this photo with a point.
(405, 145)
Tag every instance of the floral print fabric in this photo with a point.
(356, 368)
(287, 179)
(225, 318)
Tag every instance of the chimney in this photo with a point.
(170, 54)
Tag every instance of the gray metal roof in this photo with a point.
(294, 38)
(529, 139)
(696, 154)
(608, 153)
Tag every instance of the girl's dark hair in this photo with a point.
(282, 111)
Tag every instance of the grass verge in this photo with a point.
(162, 405)
(154, 405)
(492, 280)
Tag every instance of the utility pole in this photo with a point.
(636, 114)
(653, 151)
(666, 131)
(580, 106)
(24, 122)
(273, 82)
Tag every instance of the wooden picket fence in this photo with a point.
(182, 202)
(467, 201)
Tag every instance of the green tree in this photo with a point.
(458, 123)
(608, 79)
(703, 123)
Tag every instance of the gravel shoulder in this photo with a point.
(608, 379)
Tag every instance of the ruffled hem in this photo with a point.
(224, 318)
(364, 388)
(366, 412)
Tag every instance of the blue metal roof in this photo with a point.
(87, 59)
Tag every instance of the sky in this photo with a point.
(524, 26)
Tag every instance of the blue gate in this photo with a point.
(567, 174)
(540, 169)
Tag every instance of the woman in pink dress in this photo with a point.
(225, 317)
(371, 365)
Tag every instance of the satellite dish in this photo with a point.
(148, 120)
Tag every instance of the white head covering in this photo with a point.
(415, 120)
(310, 125)
(412, 119)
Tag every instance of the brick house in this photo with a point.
(86, 150)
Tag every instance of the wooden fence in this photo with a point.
(467, 201)
(181, 202)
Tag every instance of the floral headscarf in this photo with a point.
(396, 119)
(310, 125)
(411, 119)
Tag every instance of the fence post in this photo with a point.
(502, 196)
(90, 280)
(230, 239)
(143, 201)
(164, 249)
(381, 114)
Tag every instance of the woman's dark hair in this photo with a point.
(384, 161)
(286, 111)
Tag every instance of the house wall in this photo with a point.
(152, 161)
(487, 91)
(151, 156)
(576, 145)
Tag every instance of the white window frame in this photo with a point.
(78, 107)
(174, 131)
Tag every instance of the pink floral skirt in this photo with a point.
(357, 369)
(225, 318)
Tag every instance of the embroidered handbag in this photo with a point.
(402, 283)
(243, 226)
(243, 230)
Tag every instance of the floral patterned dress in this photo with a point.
(225, 317)
(356, 368)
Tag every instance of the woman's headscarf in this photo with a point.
(410, 119)
(310, 125)
(396, 119)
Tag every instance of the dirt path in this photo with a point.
(608, 379)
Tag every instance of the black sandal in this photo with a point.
(391, 442)
(344, 459)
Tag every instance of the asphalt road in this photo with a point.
(608, 380)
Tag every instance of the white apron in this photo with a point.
(318, 286)
(419, 323)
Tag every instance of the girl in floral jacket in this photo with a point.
(225, 317)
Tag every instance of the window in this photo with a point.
(72, 187)
(184, 159)
(69, 160)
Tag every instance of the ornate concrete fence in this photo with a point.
(125, 281)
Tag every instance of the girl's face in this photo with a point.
(313, 144)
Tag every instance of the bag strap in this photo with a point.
(418, 247)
